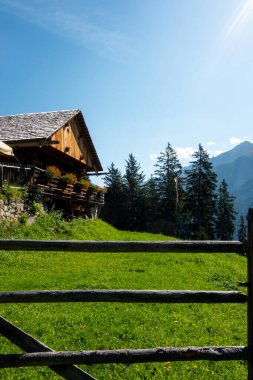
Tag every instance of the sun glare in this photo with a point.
(241, 15)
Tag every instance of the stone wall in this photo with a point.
(11, 209)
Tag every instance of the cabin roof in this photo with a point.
(41, 125)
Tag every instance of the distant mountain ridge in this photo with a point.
(244, 149)
(236, 167)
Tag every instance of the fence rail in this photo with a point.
(124, 296)
(38, 356)
(210, 246)
(165, 354)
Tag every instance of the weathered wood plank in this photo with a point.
(122, 246)
(29, 344)
(124, 296)
(125, 356)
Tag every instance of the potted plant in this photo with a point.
(51, 172)
(82, 184)
(67, 178)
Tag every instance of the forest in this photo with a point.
(188, 203)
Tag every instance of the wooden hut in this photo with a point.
(46, 139)
(58, 138)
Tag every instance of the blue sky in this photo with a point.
(143, 72)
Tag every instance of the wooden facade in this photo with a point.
(70, 142)
(59, 139)
(51, 138)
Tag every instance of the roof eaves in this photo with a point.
(89, 141)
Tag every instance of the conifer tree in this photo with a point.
(133, 184)
(242, 232)
(225, 213)
(151, 205)
(200, 195)
(168, 177)
(113, 211)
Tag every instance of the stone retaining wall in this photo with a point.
(11, 209)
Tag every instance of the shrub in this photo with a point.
(8, 192)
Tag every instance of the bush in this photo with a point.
(9, 193)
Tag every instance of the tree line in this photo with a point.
(184, 203)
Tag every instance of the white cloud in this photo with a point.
(184, 153)
(153, 156)
(210, 143)
(235, 140)
(217, 152)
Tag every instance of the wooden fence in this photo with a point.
(63, 363)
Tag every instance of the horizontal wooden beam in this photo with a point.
(125, 356)
(31, 143)
(97, 174)
(29, 344)
(124, 296)
(122, 246)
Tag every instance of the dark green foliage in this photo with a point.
(151, 206)
(242, 232)
(187, 207)
(33, 196)
(133, 184)
(168, 177)
(113, 211)
(200, 186)
(225, 213)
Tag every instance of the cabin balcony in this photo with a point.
(71, 198)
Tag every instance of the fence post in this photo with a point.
(250, 292)
(2, 175)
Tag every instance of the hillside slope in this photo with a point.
(235, 166)
(52, 227)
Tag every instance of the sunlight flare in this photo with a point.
(240, 17)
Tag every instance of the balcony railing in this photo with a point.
(16, 174)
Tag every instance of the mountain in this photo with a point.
(245, 149)
(236, 167)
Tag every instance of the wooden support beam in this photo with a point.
(122, 246)
(29, 344)
(125, 356)
(123, 296)
(31, 143)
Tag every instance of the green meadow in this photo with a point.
(81, 326)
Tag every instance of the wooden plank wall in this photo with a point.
(71, 142)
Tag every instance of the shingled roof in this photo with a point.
(35, 126)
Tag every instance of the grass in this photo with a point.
(113, 326)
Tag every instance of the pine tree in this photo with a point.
(113, 211)
(151, 205)
(135, 196)
(168, 177)
(225, 213)
(242, 233)
(200, 195)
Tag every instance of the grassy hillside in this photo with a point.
(51, 226)
(112, 326)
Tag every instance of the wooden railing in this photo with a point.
(15, 174)
(63, 362)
